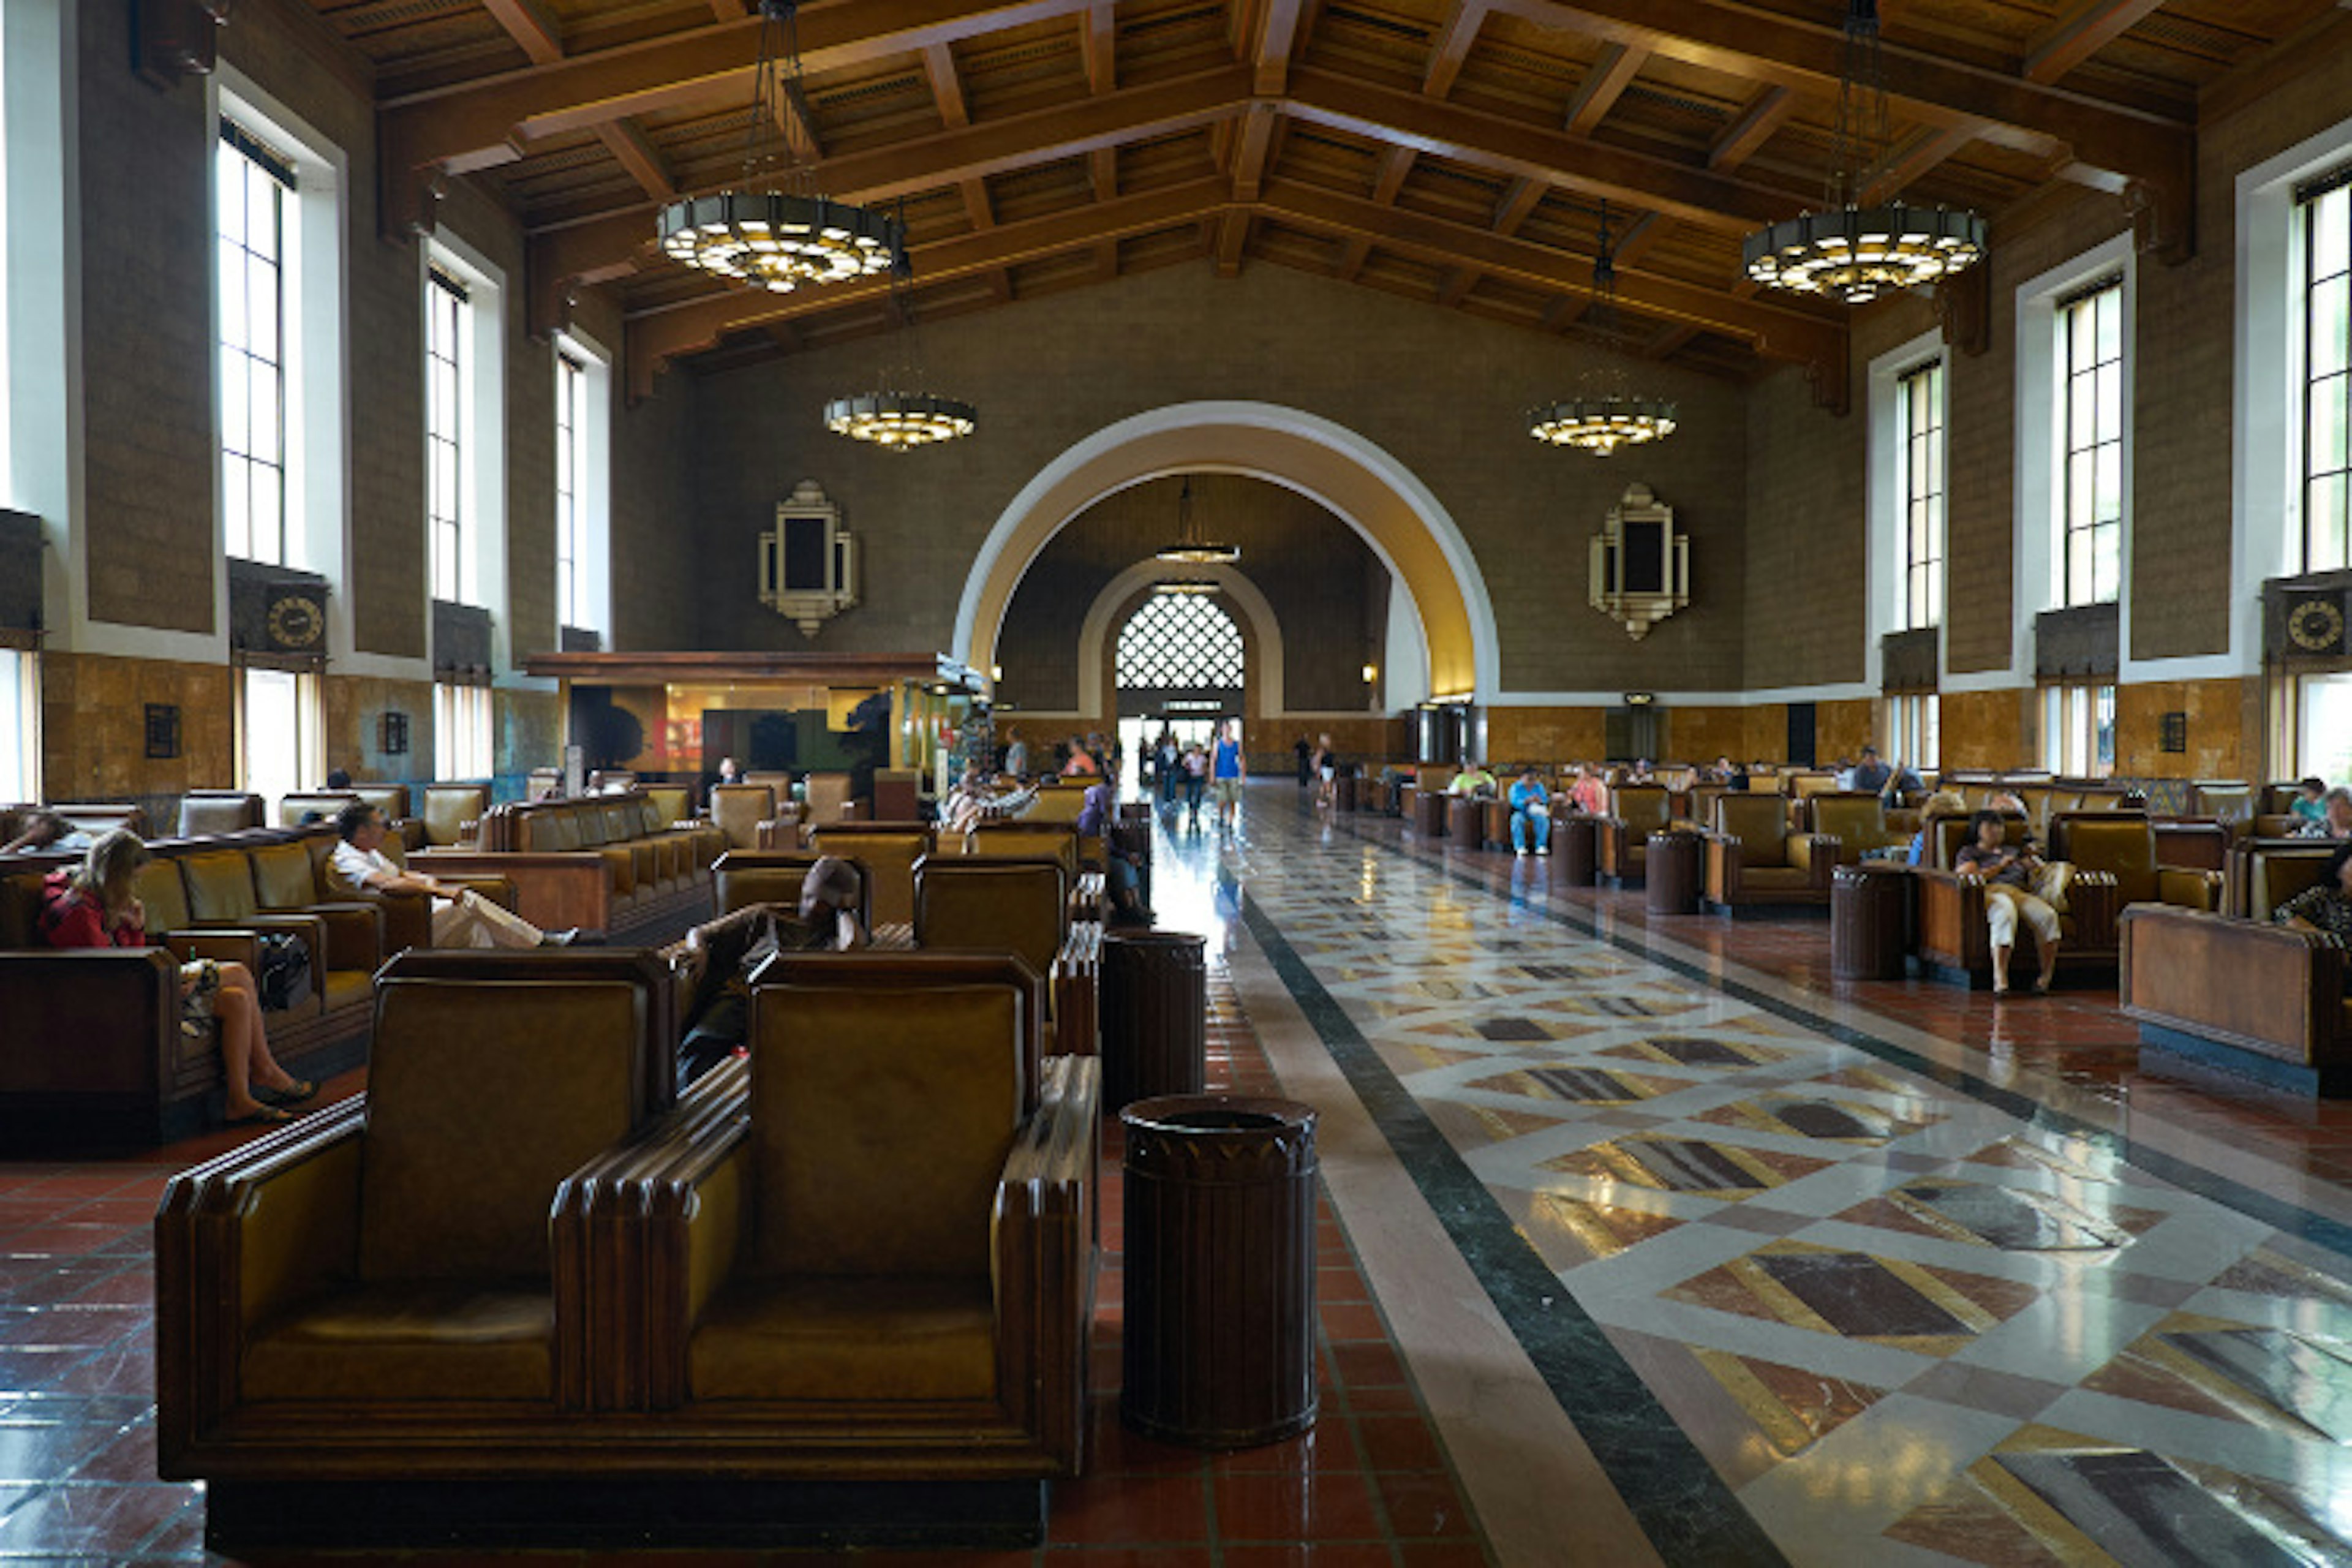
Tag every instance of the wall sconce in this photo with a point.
(995, 672)
(1372, 673)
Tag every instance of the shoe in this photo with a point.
(2041, 985)
(1543, 849)
(560, 938)
(262, 1116)
(1520, 853)
(1999, 992)
(295, 1093)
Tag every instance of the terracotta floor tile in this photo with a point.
(1320, 1506)
(1312, 1554)
(1399, 1443)
(1156, 1509)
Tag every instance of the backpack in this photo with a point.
(283, 971)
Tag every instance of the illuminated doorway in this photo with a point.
(1179, 663)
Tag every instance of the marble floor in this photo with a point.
(1643, 1241)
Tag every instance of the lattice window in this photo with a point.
(1181, 641)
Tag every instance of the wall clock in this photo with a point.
(295, 622)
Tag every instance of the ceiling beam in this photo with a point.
(1640, 234)
(1806, 56)
(490, 120)
(1396, 163)
(1454, 36)
(625, 140)
(1765, 113)
(1913, 156)
(528, 24)
(1458, 282)
(2082, 31)
(1603, 86)
(1098, 41)
(1513, 147)
(654, 336)
(1102, 172)
(1233, 242)
(939, 66)
(1778, 331)
(1277, 36)
(1668, 341)
(1519, 202)
(1250, 156)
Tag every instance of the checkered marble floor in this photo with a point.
(1900, 1324)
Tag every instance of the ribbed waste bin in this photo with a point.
(1219, 1271)
(1673, 873)
(1428, 815)
(1466, 820)
(1870, 913)
(1575, 848)
(1155, 1015)
(1343, 793)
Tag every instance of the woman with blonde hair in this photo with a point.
(93, 905)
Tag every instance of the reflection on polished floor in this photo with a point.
(1644, 1241)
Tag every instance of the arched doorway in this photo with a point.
(1354, 479)
(1179, 665)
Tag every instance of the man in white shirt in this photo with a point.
(461, 917)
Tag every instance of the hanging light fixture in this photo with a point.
(1200, 586)
(778, 238)
(1604, 415)
(902, 421)
(1850, 252)
(1190, 548)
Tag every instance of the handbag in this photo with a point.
(283, 975)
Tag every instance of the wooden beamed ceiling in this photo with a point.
(1459, 151)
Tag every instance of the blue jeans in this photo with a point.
(1520, 820)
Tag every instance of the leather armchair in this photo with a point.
(888, 851)
(1857, 820)
(887, 1270)
(740, 810)
(1752, 858)
(828, 798)
(1636, 811)
(1021, 907)
(344, 939)
(368, 1294)
(748, 876)
(206, 813)
(2248, 996)
(452, 811)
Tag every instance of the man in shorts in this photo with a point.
(1227, 769)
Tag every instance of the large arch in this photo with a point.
(1260, 631)
(1355, 480)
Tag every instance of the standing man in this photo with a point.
(1227, 769)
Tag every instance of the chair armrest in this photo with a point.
(2270, 989)
(2188, 890)
(354, 933)
(2094, 901)
(221, 945)
(1074, 990)
(238, 1240)
(689, 1195)
(602, 1246)
(308, 926)
(1044, 1240)
(104, 1018)
(1817, 855)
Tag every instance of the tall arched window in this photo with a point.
(1180, 642)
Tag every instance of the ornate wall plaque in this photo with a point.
(1641, 565)
(808, 561)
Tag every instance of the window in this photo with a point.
(461, 732)
(1914, 729)
(1179, 641)
(571, 492)
(2326, 208)
(2078, 729)
(1920, 409)
(2324, 738)
(2091, 356)
(20, 724)
(279, 739)
(253, 186)
(447, 397)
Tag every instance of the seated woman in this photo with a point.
(2326, 906)
(2335, 819)
(1530, 814)
(2008, 870)
(93, 907)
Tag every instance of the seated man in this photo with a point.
(1097, 814)
(1870, 773)
(461, 917)
(45, 830)
(1472, 779)
(1530, 814)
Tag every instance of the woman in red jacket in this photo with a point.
(93, 907)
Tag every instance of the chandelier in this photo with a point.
(778, 238)
(902, 421)
(1191, 549)
(1851, 252)
(1604, 416)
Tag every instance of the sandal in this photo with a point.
(2041, 985)
(262, 1116)
(294, 1093)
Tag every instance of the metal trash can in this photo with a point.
(1672, 868)
(1155, 1015)
(1465, 821)
(1219, 1269)
(1343, 793)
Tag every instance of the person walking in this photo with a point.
(1227, 769)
